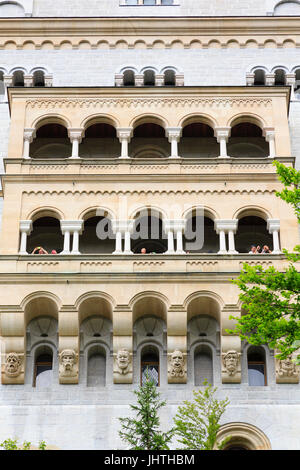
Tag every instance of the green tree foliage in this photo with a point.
(198, 421)
(270, 298)
(12, 444)
(142, 432)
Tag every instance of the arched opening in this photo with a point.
(149, 141)
(96, 366)
(198, 141)
(43, 368)
(18, 78)
(148, 235)
(203, 365)
(46, 233)
(51, 142)
(97, 236)
(150, 365)
(252, 231)
(279, 77)
(297, 84)
(169, 77)
(200, 235)
(257, 373)
(39, 78)
(149, 78)
(247, 141)
(243, 436)
(259, 77)
(128, 78)
(287, 9)
(10, 9)
(100, 141)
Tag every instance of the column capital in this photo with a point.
(159, 79)
(226, 225)
(269, 133)
(173, 133)
(122, 225)
(71, 226)
(179, 79)
(125, 133)
(26, 226)
(48, 80)
(75, 134)
(222, 133)
(273, 225)
(174, 225)
(7, 79)
(28, 80)
(119, 79)
(29, 134)
(290, 78)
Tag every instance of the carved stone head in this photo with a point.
(231, 361)
(287, 367)
(123, 359)
(67, 358)
(177, 361)
(13, 364)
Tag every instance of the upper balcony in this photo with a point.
(127, 131)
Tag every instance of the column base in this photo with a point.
(233, 252)
(65, 253)
(22, 253)
(26, 158)
(174, 157)
(180, 252)
(276, 252)
(124, 158)
(223, 156)
(222, 252)
(128, 253)
(170, 252)
(75, 253)
(117, 252)
(72, 158)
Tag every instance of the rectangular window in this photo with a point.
(257, 374)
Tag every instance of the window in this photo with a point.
(150, 366)
(257, 376)
(43, 371)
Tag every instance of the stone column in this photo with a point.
(75, 136)
(68, 345)
(270, 79)
(48, 80)
(122, 344)
(290, 80)
(119, 79)
(122, 228)
(222, 134)
(232, 226)
(230, 347)
(220, 229)
(250, 77)
(13, 347)
(124, 134)
(25, 229)
(173, 134)
(159, 79)
(29, 135)
(269, 134)
(172, 227)
(224, 227)
(179, 79)
(77, 229)
(28, 80)
(177, 344)
(139, 80)
(273, 225)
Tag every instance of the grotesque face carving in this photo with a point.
(12, 364)
(287, 367)
(67, 360)
(176, 368)
(230, 360)
(123, 359)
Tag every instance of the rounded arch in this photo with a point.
(51, 119)
(245, 435)
(46, 212)
(100, 119)
(286, 8)
(259, 67)
(294, 69)
(97, 211)
(148, 67)
(255, 211)
(155, 211)
(280, 67)
(169, 67)
(3, 70)
(149, 119)
(94, 303)
(128, 67)
(40, 303)
(11, 9)
(196, 117)
(249, 118)
(39, 69)
(17, 69)
(149, 303)
(154, 150)
(207, 212)
(209, 301)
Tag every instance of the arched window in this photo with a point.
(279, 77)
(128, 78)
(259, 77)
(43, 369)
(149, 78)
(96, 369)
(18, 78)
(39, 78)
(169, 78)
(150, 365)
(287, 8)
(257, 374)
(203, 365)
(47, 234)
